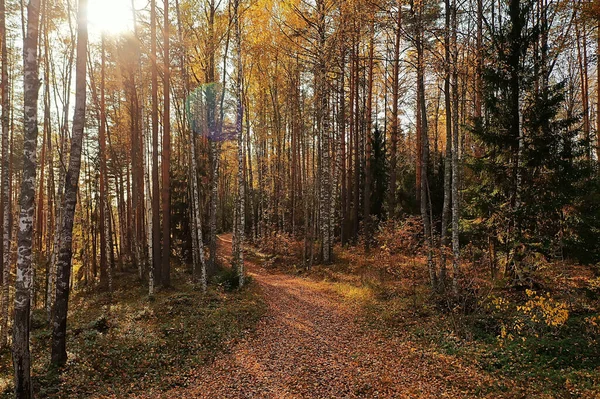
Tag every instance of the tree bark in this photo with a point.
(21, 327)
(5, 183)
(394, 128)
(240, 225)
(156, 250)
(166, 157)
(455, 153)
(448, 155)
(65, 254)
(105, 267)
(369, 141)
(424, 150)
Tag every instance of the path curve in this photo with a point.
(312, 345)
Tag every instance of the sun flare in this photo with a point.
(109, 16)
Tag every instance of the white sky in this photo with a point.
(111, 16)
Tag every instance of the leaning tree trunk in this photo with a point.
(424, 155)
(65, 253)
(31, 85)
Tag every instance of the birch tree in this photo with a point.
(240, 225)
(5, 178)
(21, 326)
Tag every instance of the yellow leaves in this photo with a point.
(594, 284)
(531, 319)
(543, 308)
(593, 324)
(500, 304)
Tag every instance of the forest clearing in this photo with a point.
(300, 198)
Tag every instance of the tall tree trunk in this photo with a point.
(356, 216)
(455, 152)
(105, 267)
(156, 250)
(516, 130)
(395, 98)
(424, 149)
(448, 157)
(369, 140)
(343, 158)
(5, 183)
(598, 92)
(166, 156)
(323, 126)
(149, 213)
(43, 219)
(581, 38)
(479, 65)
(65, 254)
(240, 225)
(21, 327)
(197, 214)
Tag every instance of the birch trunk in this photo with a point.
(197, 215)
(149, 214)
(323, 126)
(448, 155)
(240, 224)
(6, 199)
(31, 84)
(211, 104)
(214, 185)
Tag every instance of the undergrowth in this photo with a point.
(139, 344)
(540, 342)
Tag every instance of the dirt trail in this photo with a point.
(312, 345)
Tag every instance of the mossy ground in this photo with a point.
(139, 344)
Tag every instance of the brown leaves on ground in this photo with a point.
(312, 345)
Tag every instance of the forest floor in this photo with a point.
(345, 330)
(129, 343)
(313, 343)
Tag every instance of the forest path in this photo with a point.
(311, 344)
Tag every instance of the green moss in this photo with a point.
(138, 345)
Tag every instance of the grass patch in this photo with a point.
(355, 294)
(140, 344)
